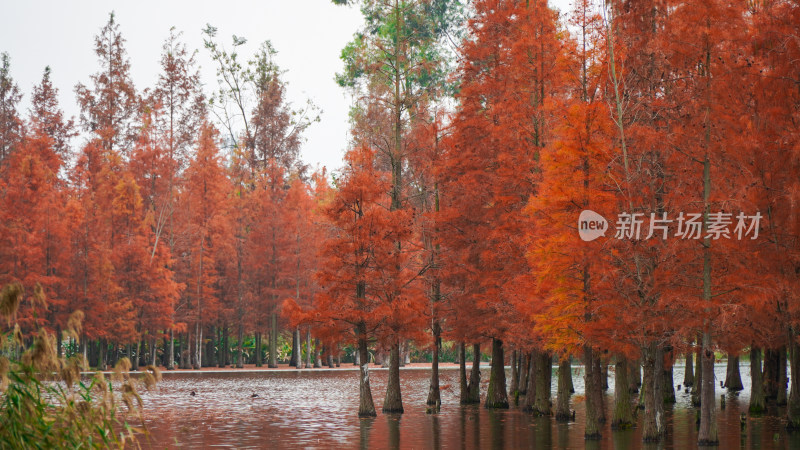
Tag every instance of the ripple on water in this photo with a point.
(317, 409)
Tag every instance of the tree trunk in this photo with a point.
(239, 348)
(171, 357)
(688, 374)
(308, 351)
(668, 386)
(652, 427)
(707, 435)
(544, 382)
(758, 403)
(273, 341)
(604, 375)
(513, 388)
(530, 391)
(634, 376)
(782, 379)
(394, 401)
(697, 388)
(623, 409)
(434, 397)
(462, 373)
(496, 395)
(366, 407)
(770, 376)
(524, 370)
(474, 387)
(733, 379)
(592, 427)
(259, 356)
(563, 394)
(793, 404)
(318, 356)
(599, 398)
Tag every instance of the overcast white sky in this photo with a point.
(308, 34)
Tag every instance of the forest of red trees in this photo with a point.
(188, 230)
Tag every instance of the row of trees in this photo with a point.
(174, 245)
(479, 134)
(456, 214)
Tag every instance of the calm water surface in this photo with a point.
(318, 409)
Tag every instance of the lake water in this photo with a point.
(318, 409)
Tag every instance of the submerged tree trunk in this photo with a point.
(462, 373)
(366, 407)
(668, 387)
(530, 391)
(592, 428)
(733, 379)
(394, 401)
(758, 403)
(688, 373)
(474, 386)
(697, 388)
(653, 419)
(563, 394)
(544, 382)
(793, 404)
(496, 395)
(623, 409)
(707, 435)
(513, 388)
(434, 397)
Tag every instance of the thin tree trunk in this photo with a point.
(530, 391)
(563, 395)
(592, 425)
(688, 373)
(623, 409)
(599, 398)
(171, 357)
(523, 373)
(697, 388)
(513, 388)
(273, 341)
(496, 394)
(434, 397)
(239, 349)
(462, 373)
(308, 351)
(635, 376)
(474, 387)
(604, 374)
(758, 403)
(394, 401)
(707, 435)
(544, 382)
(366, 407)
(258, 355)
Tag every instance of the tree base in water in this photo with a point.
(368, 414)
(393, 410)
(497, 405)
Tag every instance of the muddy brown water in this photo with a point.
(317, 409)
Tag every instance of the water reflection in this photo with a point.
(317, 409)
